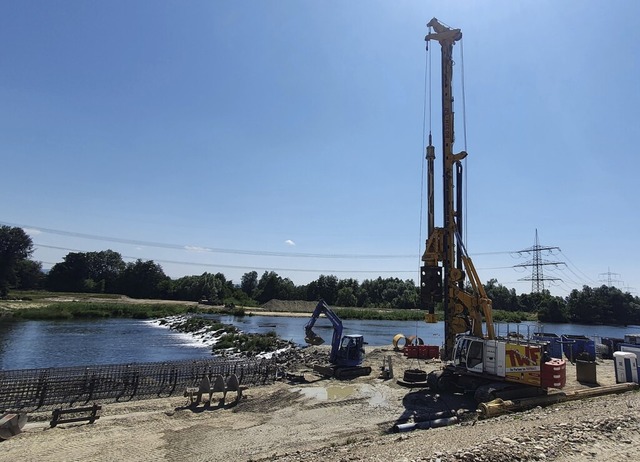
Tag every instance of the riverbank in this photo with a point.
(49, 305)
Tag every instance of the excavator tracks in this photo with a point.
(349, 373)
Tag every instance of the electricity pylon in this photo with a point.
(537, 263)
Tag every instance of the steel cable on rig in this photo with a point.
(426, 102)
(464, 141)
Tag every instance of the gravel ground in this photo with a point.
(309, 418)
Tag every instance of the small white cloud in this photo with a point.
(32, 231)
(193, 248)
(290, 242)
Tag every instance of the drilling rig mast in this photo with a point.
(446, 263)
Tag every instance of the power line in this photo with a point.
(217, 265)
(555, 265)
(204, 248)
(161, 245)
(559, 269)
(569, 260)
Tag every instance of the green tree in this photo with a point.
(583, 306)
(371, 293)
(142, 279)
(346, 297)
(408, 297)
(225, 289)
(249, 283)
(70, 274)
(15, 246)
(104, 269)
(602, 305)
(29, 275)
(501, 297)
(325, 287)
(553, 309)
(271, 286)
(87, 272)
(207, 286)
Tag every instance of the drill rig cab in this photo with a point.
(477, 361)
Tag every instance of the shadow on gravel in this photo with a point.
(207, 406)
(423, 405)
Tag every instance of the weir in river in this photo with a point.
(28, 390)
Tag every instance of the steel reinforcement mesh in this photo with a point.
(35, 389)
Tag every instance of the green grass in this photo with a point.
(38, 295)
(84, 310)
(387, 315)
(418, 315)
(513, 316)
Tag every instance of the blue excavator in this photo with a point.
(347, 353)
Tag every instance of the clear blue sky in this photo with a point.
(293, 130)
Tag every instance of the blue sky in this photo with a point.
(288, 135)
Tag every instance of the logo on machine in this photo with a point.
(522, 358)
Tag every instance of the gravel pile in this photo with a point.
(549, 442)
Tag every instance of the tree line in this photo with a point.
(106, 272)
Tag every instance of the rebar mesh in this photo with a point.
(33, 389)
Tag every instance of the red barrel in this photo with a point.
(554, 374)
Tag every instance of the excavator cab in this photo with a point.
(351, 352)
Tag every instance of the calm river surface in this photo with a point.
(42, 344)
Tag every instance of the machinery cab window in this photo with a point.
(474, 356)
(351, 347)
(460, 353)
(468, 354)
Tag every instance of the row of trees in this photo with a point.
(106, 272)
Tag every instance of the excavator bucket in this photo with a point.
(11, 425)
(430, 318)
(312, 338)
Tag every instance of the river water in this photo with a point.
(42, 344)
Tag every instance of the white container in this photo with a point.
(625, 364)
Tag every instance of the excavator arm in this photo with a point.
(314, 339)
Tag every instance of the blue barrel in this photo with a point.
(554, 347)
(578, 347)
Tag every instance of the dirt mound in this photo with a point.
(300, 306)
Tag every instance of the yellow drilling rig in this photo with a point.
(477, 361)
